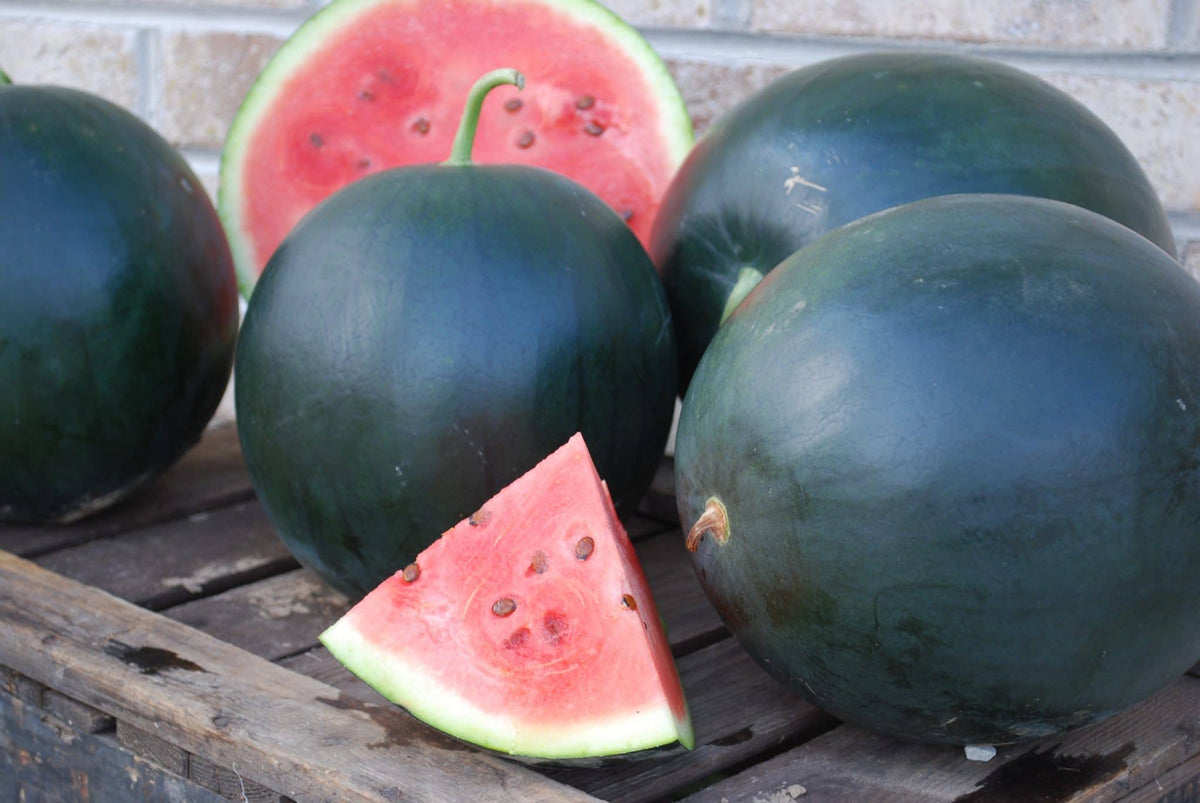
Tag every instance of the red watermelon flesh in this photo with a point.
(370, 84)
(528, 628)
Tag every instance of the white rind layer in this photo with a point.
(445, 709)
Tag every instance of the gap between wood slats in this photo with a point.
(172, 562)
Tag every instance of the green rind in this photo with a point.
(426, 336)
(959, 447)
(676, 130)
(407, 685)
(118, 304)
(832, 142)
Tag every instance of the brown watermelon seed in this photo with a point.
(316, 139)
(525, 140)
(593, 128)
(363, 164)
(411, 572)
(504, 606)
(584, 102)
(366, 94)
(513, 105)
(421, 125)
(629, 602)
(540, 562)
(583, 549)
(480, 517)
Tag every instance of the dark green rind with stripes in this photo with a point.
(829, 143)
(118, 304)
(427, 335)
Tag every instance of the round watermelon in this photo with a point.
(118, 304)
(840, 139)
(942, 469)
(369, 84)
(425, 336)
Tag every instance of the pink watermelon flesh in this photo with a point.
(528, 628)
(372, 85)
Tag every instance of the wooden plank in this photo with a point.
(1099, 763)
(44, 759)
(21, 687)
(659, 501)
(167, 564)
(83, 718)
(275, 727)
(154, 748)
(640, 526)
(272, 618)
(1178, 785)
(230, 784)
(212, 474)
(739, 713)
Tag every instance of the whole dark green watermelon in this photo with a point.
(951, 457)
(118, 304)
(829, 143)
(425, 336)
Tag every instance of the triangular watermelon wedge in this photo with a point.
(528, 628)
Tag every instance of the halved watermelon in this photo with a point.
(368, 84)
(528, 628)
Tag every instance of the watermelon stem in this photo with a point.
(747, 279)
(464, 138)
(714, 520)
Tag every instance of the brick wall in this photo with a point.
(184, 65)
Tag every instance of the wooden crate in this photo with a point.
(166, 650)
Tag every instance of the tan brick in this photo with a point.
(710, 90)
(98, 59)
(663, 13)
(203, 80)
(1157, 120)
(1059, 23)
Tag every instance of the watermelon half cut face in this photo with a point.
(364, 85)
(528, 628)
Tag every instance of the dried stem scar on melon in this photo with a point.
(528, 628)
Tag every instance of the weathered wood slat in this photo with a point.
(83, 718)
(1178, 785)
(272, 618)
(197, 555)
(738, 710)
(210, 475)
(275, 727)
(45, 759)
(1100, 763)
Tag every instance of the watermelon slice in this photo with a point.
(368, 84)
(528, 628)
